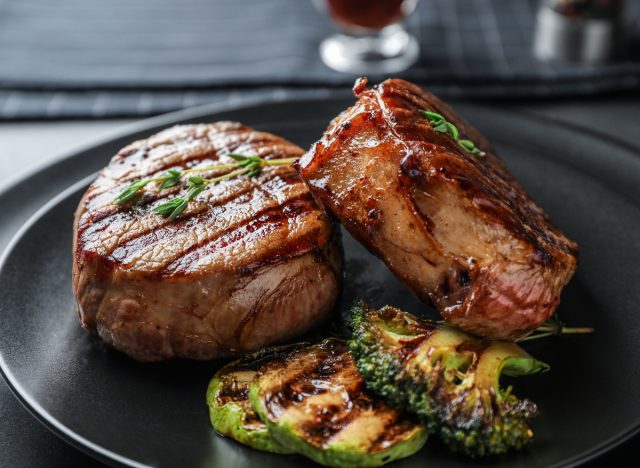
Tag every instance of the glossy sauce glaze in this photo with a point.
(458, 229)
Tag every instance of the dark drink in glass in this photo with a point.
(372, 37)
(365, 14)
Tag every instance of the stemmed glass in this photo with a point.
(372, 38)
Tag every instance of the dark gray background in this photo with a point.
(97, 58)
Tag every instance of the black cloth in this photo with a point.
(83, 58)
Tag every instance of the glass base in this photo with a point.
(389, 50)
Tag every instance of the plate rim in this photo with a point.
(36, 410)
(176, 118)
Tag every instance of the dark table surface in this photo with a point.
(26, 443)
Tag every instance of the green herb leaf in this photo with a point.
(170, 179)
(245, 160)
(195, 187)
(193, 192)
(441, 127)
(554, 327)
(172, 209)
(131, 191)
(254, 169)
(467, 144)
(453, 131)
(440, 124)
(196, 180)
(471, 147)
(238, 156)
(432, 116)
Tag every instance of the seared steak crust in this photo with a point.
(251, 261)
(456, 228)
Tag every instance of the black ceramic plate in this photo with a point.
(124, 412)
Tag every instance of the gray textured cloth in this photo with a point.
(79, 58)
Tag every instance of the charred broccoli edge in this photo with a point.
(387, 376)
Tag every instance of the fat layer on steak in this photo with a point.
(458, 229)
(252, 261)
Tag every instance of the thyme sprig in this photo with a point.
(440, 124)
(245, 165)
(554, 327)
(169, 179)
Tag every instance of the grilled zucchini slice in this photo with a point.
(231, 413)
(314, 402)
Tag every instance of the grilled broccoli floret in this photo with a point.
(448, 378)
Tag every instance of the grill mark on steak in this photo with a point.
(210, 154)
(198, 223)
(304, 245)
(200, 161)
(153, 171)
(99, 210)
(124, 216)
(262, 224)
(522, 217)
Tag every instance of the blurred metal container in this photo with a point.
(586, 31)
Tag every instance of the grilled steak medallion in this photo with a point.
(251, 261)
(455, 226)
